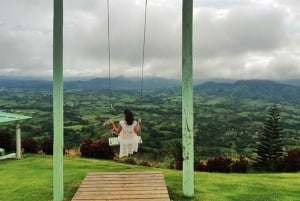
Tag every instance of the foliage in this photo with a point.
(72, 138)
(130, 160)
(290, 162)
(175, 149)
(201, 166)
(270, 146)
(226, 117)
(241, 165)
(96, 149)
(223, 164)
(86, 148)
(219, 164)
(47, 146)
(30, 145)
(6, 141)
(144, 163)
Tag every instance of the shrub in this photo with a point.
(240, 165)
(144, 163)
(280, 164)
(293, 160)
(86, 148)
(102, 150)
(201, 166)
(290, 162)
(30, 145)
(179, 163)
(219, 164)
(47, 146)
(6, 141)
(172, 164)
(98, 149)
(175, 149)
(130, 160)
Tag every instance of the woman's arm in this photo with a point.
(137, 128)
(115, 128)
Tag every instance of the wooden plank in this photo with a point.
(158, 182)
(140, 199)
(121, 185)
(122, 178)
(138, 192)
(124, 173)
(120, 196)
(137, 188)
(131, 186)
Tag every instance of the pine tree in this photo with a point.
(270, 145)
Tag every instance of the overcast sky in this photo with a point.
(233, 39)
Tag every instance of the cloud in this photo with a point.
(233, 39)
(238, 32)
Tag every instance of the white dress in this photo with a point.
(128, 139)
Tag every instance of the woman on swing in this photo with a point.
(127, 132)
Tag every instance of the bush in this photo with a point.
(280, 164)
(30, 145)
(98, 149)
(293, 160)
(219, 164)
(240, 165)
(86, 148)
(47, 146)
(144, 163)
(130, 160)
(179, 163)
(201, 166)
(6, 142)
(103, 150)
(289, 163)
(175, 149)
(172, 164)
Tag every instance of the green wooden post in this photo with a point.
(187, 99)
(18, 141)
(58, 186)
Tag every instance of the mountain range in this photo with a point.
(93, 84)
(251, 89)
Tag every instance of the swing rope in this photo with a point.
(114, 141)
(144, 45)
(108, 49)
(109, 55)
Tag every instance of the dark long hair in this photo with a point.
(128, 116)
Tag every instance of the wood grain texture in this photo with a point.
(129, 186)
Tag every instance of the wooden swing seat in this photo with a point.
(114, 141)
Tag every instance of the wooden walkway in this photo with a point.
(126, 186)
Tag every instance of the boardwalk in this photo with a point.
(126, 186)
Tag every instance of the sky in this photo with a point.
(232, 39)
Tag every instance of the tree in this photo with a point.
(6, 141)
(270, 144)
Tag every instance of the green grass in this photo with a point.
(31, 179)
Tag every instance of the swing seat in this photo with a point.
(114, 141)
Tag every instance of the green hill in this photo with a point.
(263, 90)
(31, 179)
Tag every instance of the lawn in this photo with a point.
(31, 179)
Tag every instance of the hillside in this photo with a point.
(264, 90)
(228, 117)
